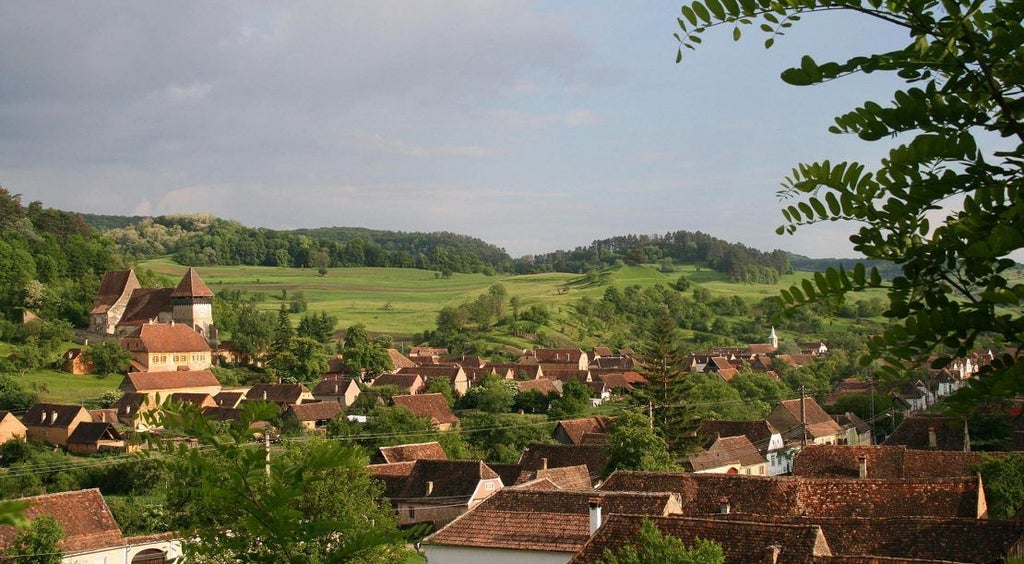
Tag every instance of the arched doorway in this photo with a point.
(150, 556)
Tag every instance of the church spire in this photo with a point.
(773, 339)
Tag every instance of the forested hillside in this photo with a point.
(51, 261)
(204, 240)
(741, 263)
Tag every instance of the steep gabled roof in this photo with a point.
(406, 382)
(178, 380)
(192, 286)
(90, 433)
(399, 360)
(392, 475)
(53, 415)
(914, 433)
(742, 542)
(430, 406)
(555, 521)
(452, 481)
(538, 456)
(787, 416)
(543, 386)
(333, 386)
(575, 428)
(83, 515)
(146, 304)
(758, 431)
(112, 287)
(316, 411)
(724, 451)
(277, 393)
(412, 452)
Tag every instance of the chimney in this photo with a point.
(933, 441)
(724, 507)
(595, 514)
(863, 470)
(543, 463)
(771, 554)
(430, 487)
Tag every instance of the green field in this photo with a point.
(400, 302)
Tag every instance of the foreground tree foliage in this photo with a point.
(962, 134)
(633, 445)
(311, 502)
(37, 542)
(652, 546)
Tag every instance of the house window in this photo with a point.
(489, 486)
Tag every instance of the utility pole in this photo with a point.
(650, 412)
(266, 451)
(803, 416)
(871, 420)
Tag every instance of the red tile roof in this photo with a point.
(725, 451)
(914, 432)
(166, 338)
(83, 516)
(146, 304)
(53, 415)
(430, 406)
(111, 287)
(758, 431)
(315, 411)
(177, 380)
(543, 386)
(412, 383)
(574, 428)
(701, 494)
(820, 461)
(556, 521)
(192, 286)
(399, 360)
(285, 394)
(538, 456)
(452, 481)
(412, 452)
(742, 542)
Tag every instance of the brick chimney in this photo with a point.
(863, 466)
(933, 441)
(430, 487)
(724, 507)
(771, 554)
(543, 463)
(595, 514)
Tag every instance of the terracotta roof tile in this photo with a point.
(742, 542)
(702, 493)
(166, 337)
(914, 433)
(399, 360)
(727, 450)
(393, 476)
(146, 304)
(286, 394)
(53, 415)
(574, 428)
(192, 286)
(557, 521)
(455, 480)
(543, 386)
(314, 411)
(820, 461)
(332, 386)
(430, 406)
(177, 380)
(83, 515)
(412, 383)
(558, 456)
(411, 452)
(90, 433)
(758, 431)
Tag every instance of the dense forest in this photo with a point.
(51, 261)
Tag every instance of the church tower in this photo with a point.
(192, 304)
(773, 339)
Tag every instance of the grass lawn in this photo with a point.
(61, 387)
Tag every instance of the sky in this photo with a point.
(534, 126)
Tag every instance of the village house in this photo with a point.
(762, 434)
(122, 304)
(557, 359)
(158, 347)
(542, 386)
(926, 431)
(339, 389)
(438, 491)
(11, 428)
(281, 394)
(312, 416)
(53, 423)
(519, 371)
(516, 525)
(129, 409)
(407, 384)
(409, 453)
(73, 362)
(399, 360)
(454, 373)
(729, 455)
(96, 437)
(544, 456)
(89, 532)
(800, 420)
(432, 407)
(159, 386)
(426, 355)
(565, 478)
(572, 431)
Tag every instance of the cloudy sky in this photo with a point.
(532, 125)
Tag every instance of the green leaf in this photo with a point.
(716, 8)
(689, 15)
(702, 12)
(736, 33)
